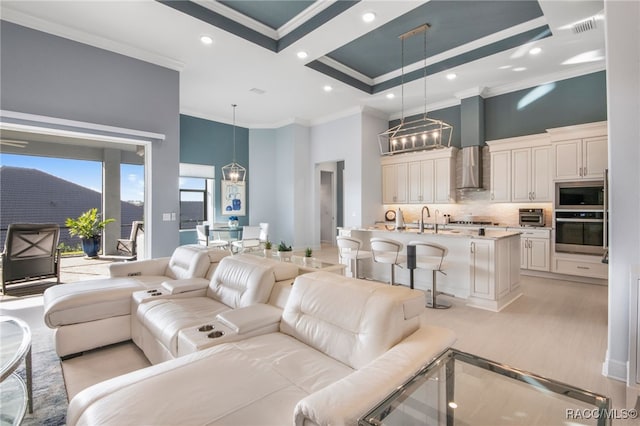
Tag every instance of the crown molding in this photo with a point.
(303, 17)
(339, 66)
(83, 37)
(471, 92)
(239, 18)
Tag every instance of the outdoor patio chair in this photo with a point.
(129, 247)
(30, 253)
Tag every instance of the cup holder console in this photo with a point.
(215, 334)
(206, 327)
(154, 292)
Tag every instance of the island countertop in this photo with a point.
(490, 234)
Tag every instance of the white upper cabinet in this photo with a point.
(419, 178)
(394, 183)
(579, 152)
(520, 169)
(500, 176)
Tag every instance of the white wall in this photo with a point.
(623, 103)
(372, 208)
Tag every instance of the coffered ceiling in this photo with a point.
(350, 64)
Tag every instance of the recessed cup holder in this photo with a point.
(215, 334)
(206, 327)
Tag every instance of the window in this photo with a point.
(196, 195)
(193, 202)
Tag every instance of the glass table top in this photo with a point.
(462, 389)
(15, 346)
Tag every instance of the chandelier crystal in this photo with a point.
(234, 172)
(419, 134)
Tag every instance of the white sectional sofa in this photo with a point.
(160, 324)
(90, 314)
(341, 346)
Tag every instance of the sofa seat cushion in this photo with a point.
(88, 300)
(262, 378)
(164, 318)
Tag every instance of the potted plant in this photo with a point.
(307, 255)
(284, 251)
(88, 226)
(267, 248)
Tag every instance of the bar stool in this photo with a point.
(388, 251)
(431, 256)
(349, 248)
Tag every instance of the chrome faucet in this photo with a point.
(422, 218)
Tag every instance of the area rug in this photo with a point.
(49, 394)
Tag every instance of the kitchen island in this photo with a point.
(483, 269)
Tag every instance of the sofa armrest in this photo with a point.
(346, 400)
(185, 285)
(139, 267)
(250, 318)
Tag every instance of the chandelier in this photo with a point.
(423, 133)
(234, 172)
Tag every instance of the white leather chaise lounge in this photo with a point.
(90, 314)
(343, 344)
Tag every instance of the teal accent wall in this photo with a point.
(567, 102)
(472, 119)
(449, 115)
(211, 143)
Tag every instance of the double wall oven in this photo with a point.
(581, 217)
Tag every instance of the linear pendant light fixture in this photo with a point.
(234, 172)
(421, 134)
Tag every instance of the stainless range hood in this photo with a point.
(471, 168)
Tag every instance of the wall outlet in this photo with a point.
(173, 216)
(166, 217)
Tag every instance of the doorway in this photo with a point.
(330, 202)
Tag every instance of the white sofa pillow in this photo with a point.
(354, 325)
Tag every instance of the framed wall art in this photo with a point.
(233, 198)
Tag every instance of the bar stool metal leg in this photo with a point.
(432, 301)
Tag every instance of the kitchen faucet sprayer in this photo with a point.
(422, 218)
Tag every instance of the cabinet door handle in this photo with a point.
(581, 172)
(533, 195)
(583, 267)
(473, 247)
(584, 171)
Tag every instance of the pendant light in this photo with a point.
(420, 134)
(234, 172)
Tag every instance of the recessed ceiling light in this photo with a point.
(327, 88)
(205, 39)
(518, 69)
(504, 67)
(390, 96)
(302, 54)
(535, 51)
(369, 17)
(451, 76)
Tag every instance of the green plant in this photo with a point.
(267, 245)
(283, 247)
(308, 252)
(87, 225)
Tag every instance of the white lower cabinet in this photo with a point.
(580, 265)
(482, 268)
(535, 251)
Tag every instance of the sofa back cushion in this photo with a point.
(351, 320)
(215, 256)
(281, 270)
(190, 261)
(238, 284)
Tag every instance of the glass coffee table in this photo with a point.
(458, 388)
(15, 346)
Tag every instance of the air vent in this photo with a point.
(258, 91)
(583, 26)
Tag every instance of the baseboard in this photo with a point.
(563, 277)
(614, 369)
